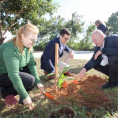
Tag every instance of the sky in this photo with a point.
(91, 9)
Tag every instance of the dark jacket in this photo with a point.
(48, 56)
(110, 49)
(102, 28)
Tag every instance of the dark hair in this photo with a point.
(65, 31)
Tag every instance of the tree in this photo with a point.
(15, 13)
(112, 24)
(75, 25)
(56, 26)
(86, 43)
(51, 28)
(1, 34)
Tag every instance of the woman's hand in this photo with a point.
(40, 86)
(28, 102)
(31, 106)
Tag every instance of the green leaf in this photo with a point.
(60, 81)
(50, 74)
(63, 76)
(60, 86)
(65, 69)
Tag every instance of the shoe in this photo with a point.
(45, 72)
(68, 74)
(10, 100)
(110, 85)
(49, 77)
(21, 101)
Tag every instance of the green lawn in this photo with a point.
(45, 107)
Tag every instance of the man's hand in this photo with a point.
(82, 73)
(71, 54)
(40, 86)
(97, 54)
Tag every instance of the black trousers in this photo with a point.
(7, 86)
(110, 70)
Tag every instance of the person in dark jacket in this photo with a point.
(65, 54)
(100, 26)
(105, 58)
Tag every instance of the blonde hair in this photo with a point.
(26, 29)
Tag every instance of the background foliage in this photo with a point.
(112, 24)
(15, 13)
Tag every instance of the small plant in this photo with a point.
(61, 76)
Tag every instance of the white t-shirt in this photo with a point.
(104, 61)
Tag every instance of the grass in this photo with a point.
(45, 107)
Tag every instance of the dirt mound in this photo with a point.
(87, 93)
(71, 87)
(64, 112)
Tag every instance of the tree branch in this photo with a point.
(0, 21)
(5, 17)
(13, 23)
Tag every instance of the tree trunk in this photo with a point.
(1, 34)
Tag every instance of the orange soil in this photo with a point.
(88, 92)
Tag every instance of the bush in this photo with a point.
(40, 46)
(73, 45)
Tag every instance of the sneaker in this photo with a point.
(10, 100)
(110, 85)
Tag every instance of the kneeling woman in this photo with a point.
(18, 73)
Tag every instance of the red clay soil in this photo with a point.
(87, 93)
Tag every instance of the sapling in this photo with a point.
(61, 76)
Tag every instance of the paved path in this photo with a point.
(78, 54)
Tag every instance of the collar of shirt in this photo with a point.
(104, 61)
(62, 45)
(102, 45)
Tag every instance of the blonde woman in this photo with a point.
(18, 73)
(100, 26)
